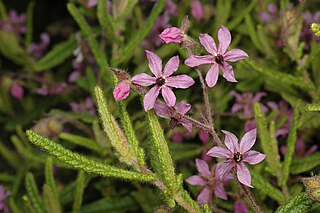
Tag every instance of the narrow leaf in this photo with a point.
(80, 162)
(237, 20)
(50, 182)
(312, 107)
(79, 192)
(33, 193)
(51, 202)
(79, 140)
(106, 20)
(305, 164)
(298, 204)
(29, 24)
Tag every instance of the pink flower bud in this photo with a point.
(172, 35)
(197, 10)
(17, 91)
(121, 91)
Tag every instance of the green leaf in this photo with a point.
(99, 55)
(51, 202)
(291, 142)
(33, 193)
(309, 120)
(298, 204)
(28, 39)
(11, 157)
(79, 192)
(59, 53)
(265, 187)
(50, 182)
(184, 151)
(237, 20)
(128, 50)
(300, 165)
(278, 76)
(85, 117)
(106, 20)
(79, 140)
(222, 10)
(312, 107)
(252, 32)
(80, 162)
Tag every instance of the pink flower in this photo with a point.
(218, 56)
(211, 184)
(236, 155)
(163, 80)
(86, 106)
(37, 50)
(121, 91)
(17, 91)
(240, 207)
(164, 111)
(3, 196)
(197, 10)
(15, 23)
(172, 35)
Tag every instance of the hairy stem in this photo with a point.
(251, 199)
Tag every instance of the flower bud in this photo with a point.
(315, 29)
(197, 10)
(172, 35)
(312, 185)
(121, 91)
(17, 91)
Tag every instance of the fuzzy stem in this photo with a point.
(184, 204)
(251, 199)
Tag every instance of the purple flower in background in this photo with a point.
(55, 89)
(92, 3)
(300, 148)
(177, 137)
(17, 91)
(163, 80)
(240, 207)
(204, 138)
(236, 155)
(284, 110)
(197, 10)
(211, 185)
(306, 33)
(182, 108)
(3, 197)
(121, 91)
(15, 23)
(172, 35)
(37, 50)
(218, 58)
(271, 14)
(86, 106)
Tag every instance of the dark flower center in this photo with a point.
(219, 59)
(237, 157)
(160, 81)
(173, 123)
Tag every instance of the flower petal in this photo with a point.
(223, 168)
(162, 110)
(208, 43)
(224, 38)
(150, 98)
(236, 107)
(203, 168)
(243, 174)
(231, 141)
(253, 157)
(182, 107)
(171, 66)
(194, 60)
(219, 192)
(227, 71)
(143, 79)
(248, 140)
(180, 81)
(204, 196)
(220, 152)
(168, 96)
(186, 124)
(235, 55)
(196, 180)
(155, 63)
(212, 75)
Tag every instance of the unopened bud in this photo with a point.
(312, 185)
(121, 91)
(172, 35)
(315, 29)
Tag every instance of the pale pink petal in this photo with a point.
(224, 38)
(253, 157)
(248, 140)
(162, 110)
(196, 180)
(182, 107)
(258, 96)
(243, 174)
(194, 60)
(180, 81)
(212, 75)
(186, 124)
(235, 55)
(172, 34)
(227, 71)
(208, 43)
(223, 168)
(155, 63)
(240, 207)
(204, 196)
(203, 168)
(220, 152)
(171, 66)
(143, 79)
(219, 192)
(236, 107)
(168, 96)
(236, 95)
(150, 98)
(121, 91)
(231, 141)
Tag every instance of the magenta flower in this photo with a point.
(211, 185)
(236, 155)
(163, 80)
(197, 10)
(172, 35)
(15, 23)
(240, 207)
(164, 111)
(17, 91)
(37, 50)
(121, 91)
(218, 57)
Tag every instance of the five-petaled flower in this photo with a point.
(163, 80)
(236, 155)
(218, 57)
(210, 183)
(182, 108)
